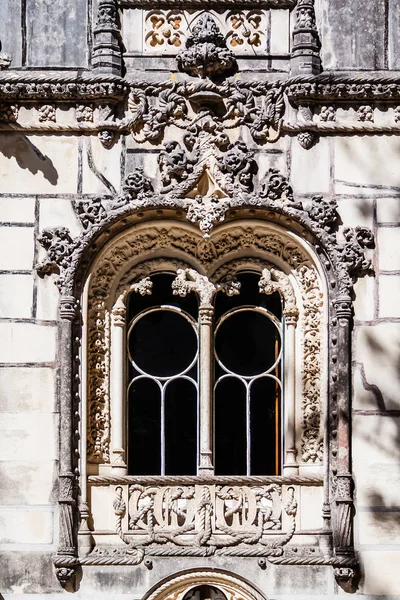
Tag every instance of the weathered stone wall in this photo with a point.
(44, 172)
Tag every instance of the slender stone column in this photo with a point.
(206, 313)
(118, 358)
(290, 466)
(65, 559)
(343, 484)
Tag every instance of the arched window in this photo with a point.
(166, 369)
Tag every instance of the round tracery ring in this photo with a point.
(243, 341)
(153, 337)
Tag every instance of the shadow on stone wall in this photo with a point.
(28, 156)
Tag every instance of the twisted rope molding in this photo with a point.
(271, 554)
(321, 128)
(57, 77)
(334, 77)
(188, 4)
(166, 480)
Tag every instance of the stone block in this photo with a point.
(379, 527)
(394, 34)
(389, 293)
(376, 460)
(16, 296)
(310, 169)
(101, 162)
(47, 298)
(27, 389)
(29, 436)
(58, 212)
(17, 247)
(364, 302)
(27, 343)
(56, 33)
(132, 30)
(26, 525)
(28, 482)
(388, 210)
(377, 349)
(353, 34)
(311, 504)
(39, 164)
(380, 573)
(10, 30)
(388, 244)
(279, 42)
(17, 210)
(29, 571)
(356, 212)
(366, 160)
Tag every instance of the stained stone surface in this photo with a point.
(56, 33)
(356, 34)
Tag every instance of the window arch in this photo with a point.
(203, 510)
(304, 291)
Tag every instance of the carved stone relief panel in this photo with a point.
(247, 32)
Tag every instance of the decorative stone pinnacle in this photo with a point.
(206, 53)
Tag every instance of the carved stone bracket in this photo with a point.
(272, 281)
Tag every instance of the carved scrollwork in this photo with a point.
(90, 212)
(59, 246)
(273, 280)
(212, 517)
(258, 106)
(207, 212)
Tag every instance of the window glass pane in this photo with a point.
(245, 342)
(144, 428)
(162, 343)
(265, 427)
(230, 427)
(180, 428)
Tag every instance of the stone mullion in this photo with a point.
(118, 377)
(290, 466)
(206, 313)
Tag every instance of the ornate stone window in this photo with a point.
(293, 508)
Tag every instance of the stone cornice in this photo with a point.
(353, 88)
(56, 86)
(345, 87)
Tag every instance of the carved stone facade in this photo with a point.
(203, 140)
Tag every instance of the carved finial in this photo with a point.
(206, 53)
